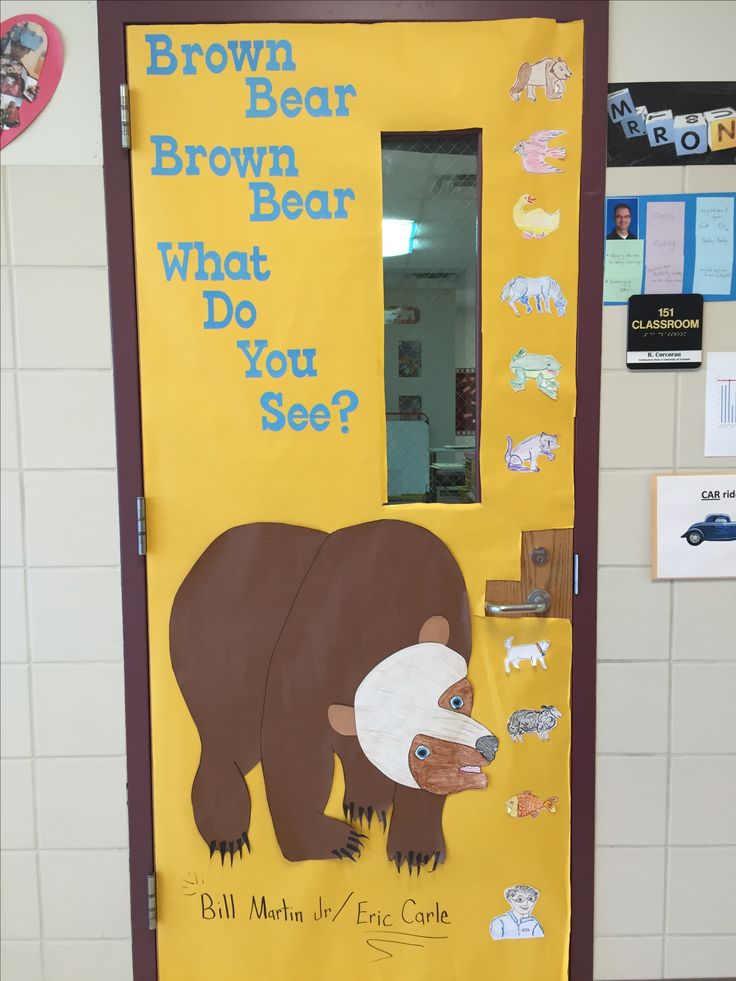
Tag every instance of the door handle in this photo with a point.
(538, 601)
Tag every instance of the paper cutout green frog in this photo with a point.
(542, 367)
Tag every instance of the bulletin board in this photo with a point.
(678, 243)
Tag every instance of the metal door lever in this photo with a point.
(538, 601)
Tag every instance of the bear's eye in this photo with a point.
(422, 752)
(457, 701)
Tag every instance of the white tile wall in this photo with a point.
(68, 204)
(632, 708)
(627, 957)
(21, 960)
(80, 432)
(626, 405)
(631, 800)
(673, 644)
(68, 913)
(75, 614)
(703, 716)
(11, 542)
(73, 700)
(703, 621)
(13, 615)
(17, 826)
(630, 885)
(633, 600)
(19, 907)
(700, 957)
(7, 356)
(694, 875)
(88, 960)
(613, 348)
(624, 498)
(15, 715)
(72, 517)
(8, 422)
(64, 814)
(62, 335)
(81, 803)
(703, 795)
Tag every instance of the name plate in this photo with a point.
(665, 330)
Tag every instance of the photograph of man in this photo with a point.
(622, 218)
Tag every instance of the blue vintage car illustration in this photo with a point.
(715, 528)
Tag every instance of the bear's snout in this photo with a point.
(488, 746)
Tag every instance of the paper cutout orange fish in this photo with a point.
(527, 804)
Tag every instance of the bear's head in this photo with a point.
(411, 716)
(560, 69)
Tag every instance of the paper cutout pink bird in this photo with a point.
(536, 148)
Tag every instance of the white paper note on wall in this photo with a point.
(694, 526)
(720, 404)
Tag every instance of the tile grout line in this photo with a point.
(24, 545)
(670, 685)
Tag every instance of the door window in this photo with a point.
(430, 277)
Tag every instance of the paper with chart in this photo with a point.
(720, 404)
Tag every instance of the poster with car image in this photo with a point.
(694, 526)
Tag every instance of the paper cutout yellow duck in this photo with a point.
(536, 223)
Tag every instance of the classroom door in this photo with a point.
(356, 769)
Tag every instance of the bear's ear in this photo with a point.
(342, 719)
(436, 630)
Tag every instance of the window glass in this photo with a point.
(430, 276)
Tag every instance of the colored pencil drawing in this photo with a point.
(541, 368)
(549, 74)
(543, 290)
(519, 923)
(534, 653)
(534, 150)
(523, 457)
(535, 222)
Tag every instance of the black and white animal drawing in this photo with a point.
(529, 720)
(541, 289)
(524, 652)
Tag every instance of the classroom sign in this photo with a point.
(354, 770)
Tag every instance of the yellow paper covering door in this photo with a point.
(210, 464)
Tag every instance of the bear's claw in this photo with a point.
(355, 813)
(352, 848)
(417, 860)
(230, 847)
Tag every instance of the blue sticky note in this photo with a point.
(713, 270)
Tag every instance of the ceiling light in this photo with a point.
(398, 236)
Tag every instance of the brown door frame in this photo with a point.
(113, 18)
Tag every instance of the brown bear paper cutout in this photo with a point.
(290, 644)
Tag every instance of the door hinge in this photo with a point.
(124, 117)
(575, 574)
(140, 509)
(151, 900)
